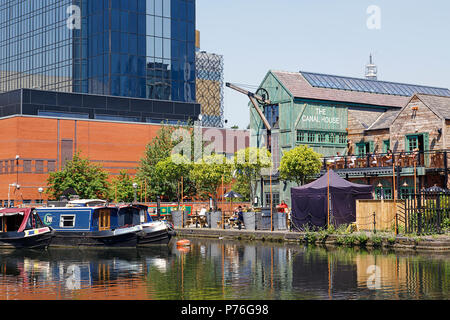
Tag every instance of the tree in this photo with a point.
(207, 174)
(159, 149)
(249, 164)
(170, 171)
(299, 163)
(87, 179)
(121, 188)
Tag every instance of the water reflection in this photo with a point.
(222, 270)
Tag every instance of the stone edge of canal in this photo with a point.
(422, 243)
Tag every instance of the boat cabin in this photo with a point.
(89, 219)
(19, 220)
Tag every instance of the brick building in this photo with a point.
(44, 142)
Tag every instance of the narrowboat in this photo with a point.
(22, 228)
(155, 232)
(83, 226)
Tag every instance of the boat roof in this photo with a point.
(87, 202)
(17, 211)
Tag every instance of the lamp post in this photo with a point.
(17, 168)
(135, 185)
(9, 193)
(40, 190)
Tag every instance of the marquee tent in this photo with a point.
(309, 202)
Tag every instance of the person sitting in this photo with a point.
(202, 216)
(352, 161)
(389, 157)
(237, 217)
(373, 161)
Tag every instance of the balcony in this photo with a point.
(376, 164)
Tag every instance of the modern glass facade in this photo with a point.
(130, 48)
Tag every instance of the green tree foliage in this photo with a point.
(159, 149)
(249, 164)
(171, 170)
(121, 188)
(87, 179)
(207, 175)
(299, 163)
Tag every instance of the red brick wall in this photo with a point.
(116, 146)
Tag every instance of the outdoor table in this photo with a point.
(361, 162)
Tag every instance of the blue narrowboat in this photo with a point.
(83, 226)
(22, 228)
(154, 232)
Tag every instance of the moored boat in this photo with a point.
(154, 232)
(23, 228)
(82, 226)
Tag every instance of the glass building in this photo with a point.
(130, 48)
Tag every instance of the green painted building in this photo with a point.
(328, 113)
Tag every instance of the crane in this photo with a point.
(254, 97)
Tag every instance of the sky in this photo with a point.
(409, 40)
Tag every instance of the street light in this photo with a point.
(135, 185)
(40, 190)
(9, 193)
(17, 168)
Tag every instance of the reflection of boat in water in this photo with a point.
(22, 228)
(81, 268)
(89, 227)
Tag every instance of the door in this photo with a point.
(104, 219)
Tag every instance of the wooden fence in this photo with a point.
(379, 215)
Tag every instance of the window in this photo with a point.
(412, 143)
(300, 136)
(67, 221)
(342, 138)
(332, 138)
(386, 145)
(275, 199)
(311, 137)
(322, 137)
(27, 166)
(271, 112)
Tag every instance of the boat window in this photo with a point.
(104, 219)
(11, 223)
(67, 221)
(37, 221)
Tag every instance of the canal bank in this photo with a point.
(438, 243)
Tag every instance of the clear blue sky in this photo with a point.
(325, 36)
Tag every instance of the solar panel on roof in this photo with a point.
(373, 86)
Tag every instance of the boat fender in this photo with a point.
(183, 243)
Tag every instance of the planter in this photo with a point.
(250, 220)
(212, 218)
(264, 220)
(177, 218)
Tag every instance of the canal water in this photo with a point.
(222, 270)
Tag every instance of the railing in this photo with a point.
(426, 212)
(429, 159)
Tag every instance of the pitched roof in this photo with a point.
(300, 87)
(440, 105)
(385, 120)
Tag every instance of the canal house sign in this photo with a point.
(314, 110)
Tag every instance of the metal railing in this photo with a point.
(427, 212)
(437, 159)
